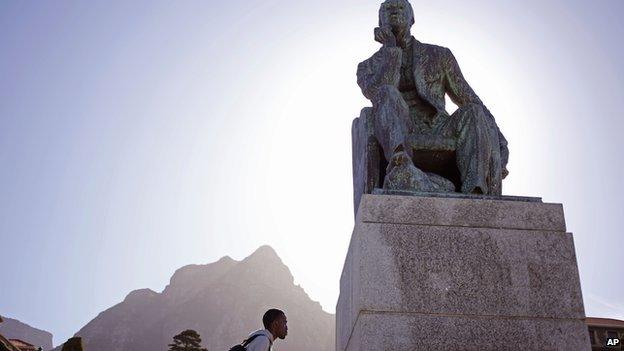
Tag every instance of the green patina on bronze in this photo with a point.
(407, 82)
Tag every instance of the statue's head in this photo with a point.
(397, 14)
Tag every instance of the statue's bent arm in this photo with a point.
(383, 68)
(462, 94)
(457, 88)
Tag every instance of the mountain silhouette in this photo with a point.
(223, 301)
(14, 329)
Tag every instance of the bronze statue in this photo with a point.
(407, 81)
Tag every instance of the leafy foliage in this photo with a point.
(188, 340)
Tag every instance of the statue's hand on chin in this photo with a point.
(385, 36)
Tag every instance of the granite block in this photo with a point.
(462, 212)
(415, 332)
(466, 270)
(510, 262)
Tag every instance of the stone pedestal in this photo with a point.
(435, 273)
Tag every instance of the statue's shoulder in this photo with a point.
(436, 53)
(434, 49)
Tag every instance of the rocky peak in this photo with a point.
(189, 279)
(141, 295)
(14, 329)
(223, 301)
(264, 264)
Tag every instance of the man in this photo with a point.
(275, 326)
(407, 81)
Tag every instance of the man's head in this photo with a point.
(398, 14)
(275, 321)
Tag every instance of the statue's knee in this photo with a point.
(472, 109)
(471, 112)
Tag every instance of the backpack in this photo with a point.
(243, 345)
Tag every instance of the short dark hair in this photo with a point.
(270, 316)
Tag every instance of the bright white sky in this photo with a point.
(138, 138)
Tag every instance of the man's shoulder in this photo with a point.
(260, 342)
(260, 339)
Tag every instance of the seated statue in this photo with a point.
(407, 82)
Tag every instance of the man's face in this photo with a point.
(281, 327)
(396, 14)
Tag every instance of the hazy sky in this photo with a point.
(140, 136)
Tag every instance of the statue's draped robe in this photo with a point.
(408, 87)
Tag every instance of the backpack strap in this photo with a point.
(248, 341)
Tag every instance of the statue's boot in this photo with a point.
(401, 174)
